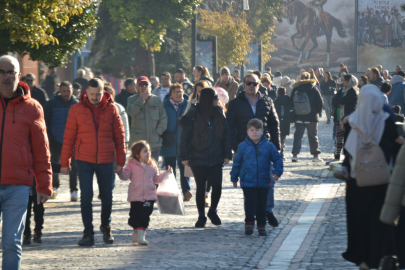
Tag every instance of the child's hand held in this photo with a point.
(169, 169)
(235, 184)
(275, 177)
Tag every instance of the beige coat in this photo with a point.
(395, 197)
(149, 120)
(231, 88)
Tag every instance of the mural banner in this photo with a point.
(380, 34)
(315, 33)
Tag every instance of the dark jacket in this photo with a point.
(40, 95)
(84, 83)
(378, 82)
(272, 92)
(50, 82)
(285, 110)
(252, 163)
(240, 113)
(56, 114)
(349, 101)
(315, 99)
(172, 118)
(211, 153)
(209, 80)
(328, 88)
(122, 98)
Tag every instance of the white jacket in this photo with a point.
(124, 118)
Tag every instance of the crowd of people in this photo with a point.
(89, 129)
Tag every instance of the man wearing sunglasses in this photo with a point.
(249, 104)
(36, 93)
(148, 116)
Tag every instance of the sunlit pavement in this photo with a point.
(311, 235)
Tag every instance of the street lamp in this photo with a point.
(245, 6)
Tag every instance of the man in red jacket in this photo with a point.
(24, 153)
(95, 135)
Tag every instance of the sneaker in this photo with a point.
(87, 240)
(316, 159)
(294, 158)
(271, 219)
(213, 216)
(73, 196)
(249, 229)
(37, 237)
(207, 201)
(54, 194)
(187, 196)
(201, 222)
(26, 239)
(262, 230)
(107, 236)
(341, 174)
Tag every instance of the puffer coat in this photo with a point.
(252, 163)
(98, 146)
(210, 153)
(143, 179)
(24, 147)
(240, 113)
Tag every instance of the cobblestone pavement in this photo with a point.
(175, 243)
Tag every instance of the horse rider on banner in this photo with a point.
(317, 6)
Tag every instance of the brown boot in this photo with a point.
(187, 196)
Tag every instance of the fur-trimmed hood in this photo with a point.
(303, 82)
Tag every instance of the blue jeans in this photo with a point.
(270, 198)
(184, 181)
(13, 208)
(105, 176)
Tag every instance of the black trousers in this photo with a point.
(255, 200)
(39, 211)
(56, 150)
(201, 174)
(139, 215)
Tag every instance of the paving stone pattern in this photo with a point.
(174, 243)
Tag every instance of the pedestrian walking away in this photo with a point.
(205, 146)
(307, 106)
(95, 131)
(143, 172)
(21, 158)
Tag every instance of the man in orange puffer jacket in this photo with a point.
(94, 134)
(24, 153)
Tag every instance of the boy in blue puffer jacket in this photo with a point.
(252, 164)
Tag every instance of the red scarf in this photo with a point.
(95, 110)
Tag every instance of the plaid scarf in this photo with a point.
(176, 104)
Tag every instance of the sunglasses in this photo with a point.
(143, 84)
(252, 83)
(29, 80)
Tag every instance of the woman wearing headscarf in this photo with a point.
(344, 103)
(369, 240)
(205, 146)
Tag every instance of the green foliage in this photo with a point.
(48, 30)
(233, 35)
(113, 54)
(148, 20)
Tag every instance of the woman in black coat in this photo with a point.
(344, 103)
(205, 146)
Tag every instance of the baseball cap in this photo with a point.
(142, 79)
